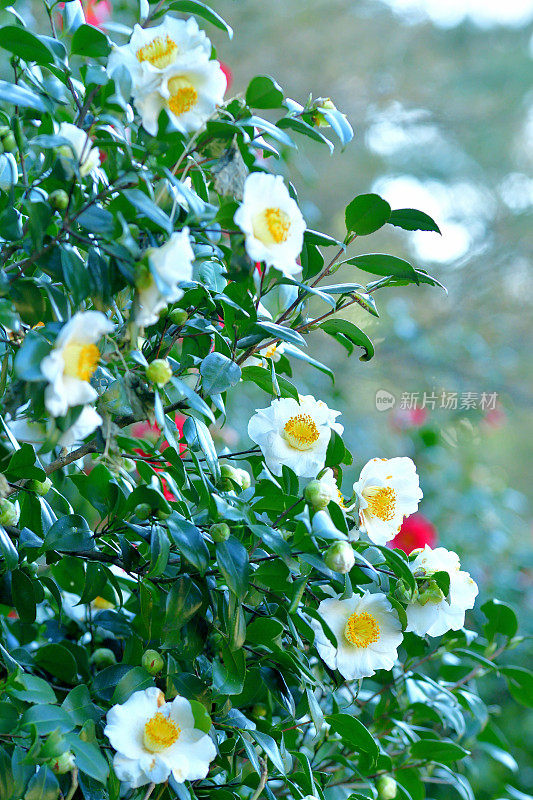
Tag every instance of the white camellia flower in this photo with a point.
(155, 739)
(35, 432)
(158, 284)
(271, 222)
(190, 93)
(367, 630)
(74, 358)
(152, 51)
(261, 359)
(88, 157)
(388, 490)
(295, 434)
(433, 614)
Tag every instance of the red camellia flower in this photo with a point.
(227, 72)
(416, 531)
(144, 430)
(97, 12)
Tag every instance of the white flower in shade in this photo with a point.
(155, 739)
(433, 613)
(189, 92)
(271, 222)
(158, 283)
(367, 630)
(88, 157)
(25, 430)
(388, 490)
(295, 434)
(152, 51)
(263, 357)
(74, 358)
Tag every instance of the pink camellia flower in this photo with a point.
(404, 418)
(416, 532)
(145, 430)
(227, 72)
(97, 12)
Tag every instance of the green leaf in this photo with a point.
(29, 357)
(89, 758)
(219, 373)
(520, 684)
(159, 552)
(201, 10)
(189, 541)
(135, 680)
(9, 717)
(8, 551)
(58, 661)
(348, 331)
(47, 719)
(21, 96)
(43, 785)
(438, 750)
(79, 706)
(410, 219)
(269, 746)
(501, 619)
(35, 690)
(197, 434)
(183, 601)
(23, 592)
(263, 378)
(383, 264)
(147, 208)
(269, 129)
(366, 214)
(264, 92)
(202, 720)
(69, 534)
(232, 559)
(354, 734)
(25, 45)
(90, 42)
(228, 676)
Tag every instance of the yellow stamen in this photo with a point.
(80, 360)
(183, 96)
(160, 733)
(100, 603)
(271, 226)
(270, 352)
(381, 502)
(301, 432)
(160, 52)
(361, 630)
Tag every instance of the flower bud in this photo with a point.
(243, 478)
(387, 787)
(430, 592)
(316, 494)
(340, 557)
(152, 661)
(103, 657)
(58, 199)
(9, 142)
(220, 532)
(259, 710)
(9, 513)
(403, 593)
(41, 487)
(159, 371)
(178, 316)
(62, 764)
(4, 130)
(143, 511)
(163, 513)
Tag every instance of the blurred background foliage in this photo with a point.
(439, 94)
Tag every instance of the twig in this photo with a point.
(262, 780)
(73, 785)
(149, 791)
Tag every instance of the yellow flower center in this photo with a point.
(361, 629)
(100, 603)
(270, 352)
(271, 226)
(80, 360)
(381, 502)
(160, 52)
(183, 96)
(301, 432)
(160, 733)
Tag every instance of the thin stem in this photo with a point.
(149, 791)
(73, 785)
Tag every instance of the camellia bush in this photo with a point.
(179, 618)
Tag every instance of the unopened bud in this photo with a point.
(152, 661)
(58, 199)
(340, 557)
(178, 316)
(317, 494)
(143, 511)
(9, 142)
(103, 657)
(4, 130)
(9, 513)
(41, 487)
(159, 372)
(220, 532)
(403, 592)
(430, 592)
(387, 787)
(243, 478)
(62, 764)
(231, 473)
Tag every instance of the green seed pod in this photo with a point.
(9, 513)
(62, 764)
(220, 532)
(58, 199)
(152, 661)
(387, 787)
(41, 487)
(103, 657)
(143, 511)
(9, 142)
(159, 371)
(340, 557)
(178, 316)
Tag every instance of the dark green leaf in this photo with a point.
(353, 733)
(43, 785)
(90, 42)
(501, 619)
(354, 335)
(25, 45)
(219, 373)
(70, 534)
(232, 558)
(383, 264)
(201, 10)
(189, 541)
(438, 750)
(366, 214)
(264, 92)
(410, 219)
